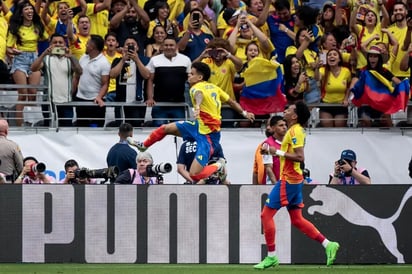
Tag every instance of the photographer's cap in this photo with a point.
(348, 155)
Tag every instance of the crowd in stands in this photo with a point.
(265, 54)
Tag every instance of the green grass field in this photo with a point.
(196, 269)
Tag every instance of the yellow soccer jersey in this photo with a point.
(290, 171)
(30, 37)
(365, 36)
(335, 88)
(99, 22)
(3, 37)
(222, 75)
(112, 82)
(400, 35)
(213, 97)
(78, 46)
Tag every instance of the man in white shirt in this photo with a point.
(93, 83)
(59, 67)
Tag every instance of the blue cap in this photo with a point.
(348, 154)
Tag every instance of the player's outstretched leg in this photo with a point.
(269, 261)
(331, 250)
(155, 136)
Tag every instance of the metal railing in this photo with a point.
(45, 110)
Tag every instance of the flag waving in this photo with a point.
(376, 91)
(262, 93)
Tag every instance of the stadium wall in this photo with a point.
(198, 224)
(384, 153)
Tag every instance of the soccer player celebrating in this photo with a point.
(207, 99)
(288, 191)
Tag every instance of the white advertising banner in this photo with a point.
(385, 154)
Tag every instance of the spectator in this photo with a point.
(78, 41)
(206, 99)
(307, 17)
(162, 11)
(93, 83)
(347, 173)
(111, 53)
(138, 176)
(150, 8)
(166, 84)
(25, 30)
(245, 32)
(224, 66)
(33, 173)
(272, 162)
(369, 32)
(71, 167)
(327, 17)
(228, 5)
(131, 21)
(309, 59)
(195, 38)
(281, 24)
(129, 71)
(121, 154)
(186, 156)
(369, 116)
(117, 6)
(405, 65)
(98, 13)
(399, 29)
(64, 17)
(59, 66)
(222, 63)
(261, 92)
(11, 159)
(4, 26)
(209, 16)
(295, 80)
(335, 80)
(328, 41)
(155, 46)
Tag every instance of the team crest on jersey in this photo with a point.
(294, 141)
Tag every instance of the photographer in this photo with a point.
(346, 172)
(33, 173)
(140, 175)
(70, 167)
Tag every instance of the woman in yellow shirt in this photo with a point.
(335, 81)
(25, 31)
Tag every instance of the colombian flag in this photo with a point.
(262, 93)
(376, 91)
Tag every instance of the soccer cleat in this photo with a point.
(267, 262)
(140, 146)
(331, 250)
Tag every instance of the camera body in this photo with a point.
(58, 51)
(341, 162)
(109, 173)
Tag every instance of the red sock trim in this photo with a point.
(156, 135)
(206, 172)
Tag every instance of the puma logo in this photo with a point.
(332, 201)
